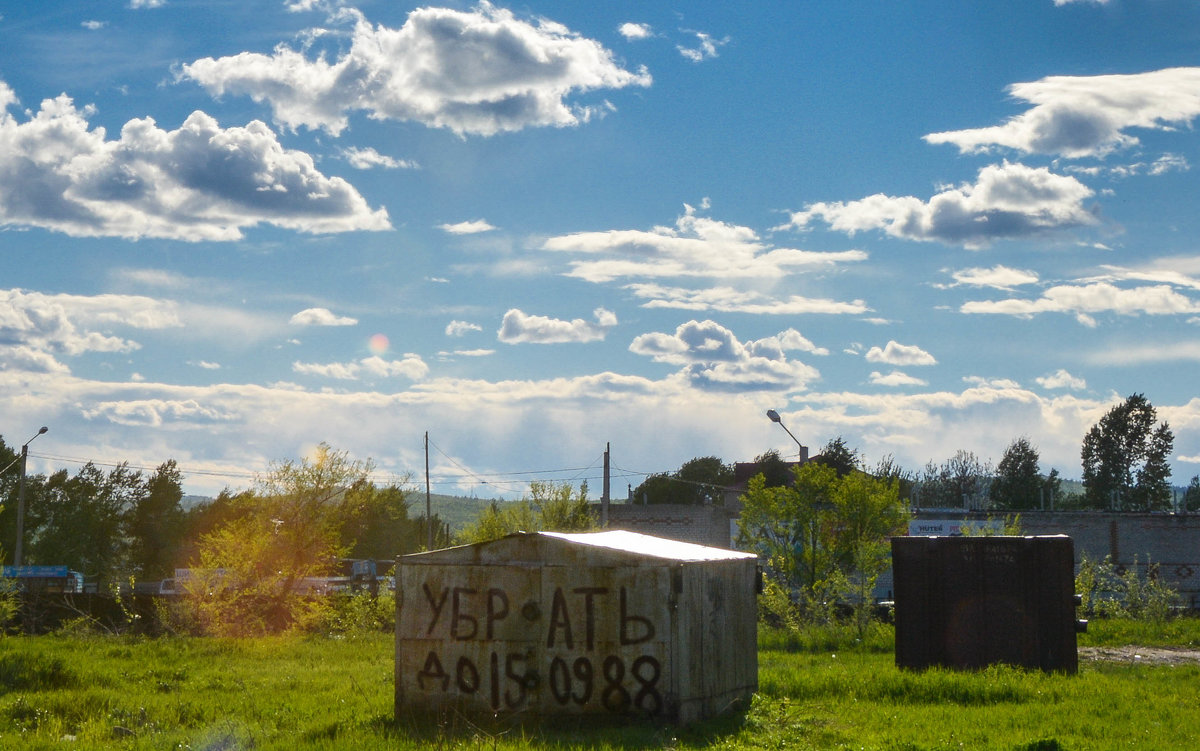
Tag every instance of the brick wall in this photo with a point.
(1170, 541)
(704, 525)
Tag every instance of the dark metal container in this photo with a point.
(969, 602)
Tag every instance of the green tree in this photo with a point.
(705, 479)
(208, 516)
(698, 481)
(791, 526)
(550, 506)
(1125, 459)
(775, 469)
(1017, 484)
(889, 470)
(841, 457)
(961, 481)
(79, 521)
(823, 535)
(867, 511)
(287, 530)
(1191, 496)
(155, 525)
(1052, 487)
(379, 526)
(655, 489)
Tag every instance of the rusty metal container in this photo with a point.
(969, 602)
(596, 623)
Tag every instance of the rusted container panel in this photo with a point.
(597, 623)
(968, 602)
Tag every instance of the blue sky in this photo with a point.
(233, 230)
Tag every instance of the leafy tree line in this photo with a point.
(121, 523)
(1125, 459)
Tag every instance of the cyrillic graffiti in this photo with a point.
(579, 621)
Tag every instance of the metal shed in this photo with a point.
(592, 623)
(969, 602)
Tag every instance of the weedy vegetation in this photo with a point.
(821, 687)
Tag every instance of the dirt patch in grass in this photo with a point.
(1141, 655)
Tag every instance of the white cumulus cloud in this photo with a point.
(367, 158)
(1006, 201)
(1084, 300)
(368, 368)
(1078, 116)
(459, 328)
(729, 300)
(471, 227)
(1061, 379)
(199, 182)
(712, 357)
(705, 49)
(477, 72)
(321, 317)
(895, 353)
(633, 31)
(519, 327)
(1000, 277)
(896, 378)
(37, 327)
(696, 246)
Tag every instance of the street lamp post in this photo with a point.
(21, 498)
(777, 419)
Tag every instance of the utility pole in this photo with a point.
(428, 502)
(21, 499)
(604, 499)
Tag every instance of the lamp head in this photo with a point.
(42, 429)
(773, 415)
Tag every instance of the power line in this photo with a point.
(493, 479)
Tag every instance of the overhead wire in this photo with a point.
(519, 479)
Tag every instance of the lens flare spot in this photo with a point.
(378, 344)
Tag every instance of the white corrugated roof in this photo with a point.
(659, 547)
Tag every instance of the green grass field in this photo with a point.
(61, 692)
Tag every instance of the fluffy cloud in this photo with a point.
(729, 300)
(221, 434)
(696, 246)
(200, 182)
(1061, 379)
(1180, 271)
(900, 354)
(367, 157)
(1000, 277)
(519, 327)
(34, 327)
(154, 413)
(1006, 201)
(1087, 299)
(1079, 116)
(705, 49)
(633, 31)
(713, 358)
(321, 317)
(459, 328)
(479, 72)
(472, 227)
(896, 378)
(1160, 166)
(411, 367)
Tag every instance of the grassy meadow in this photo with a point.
(818, 690)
